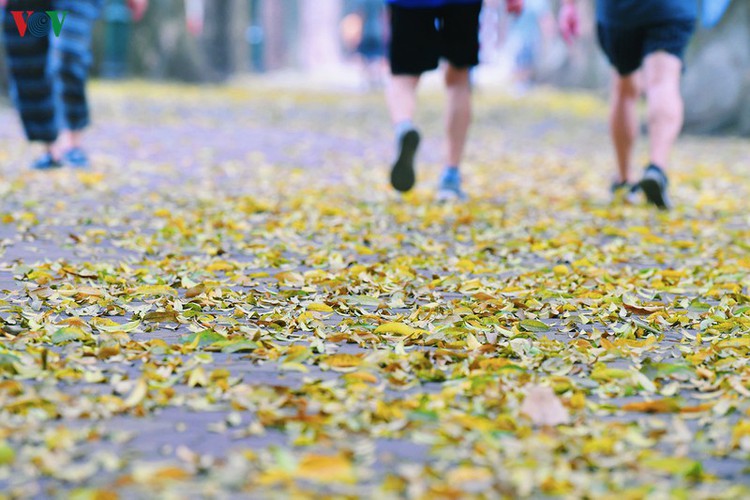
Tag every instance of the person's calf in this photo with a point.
(624, 121)
(458, 114)
(665, 104)
(402, 97)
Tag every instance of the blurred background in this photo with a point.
(340, 43)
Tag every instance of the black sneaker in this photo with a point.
(654, 185)
(624, 192)
(403, 177)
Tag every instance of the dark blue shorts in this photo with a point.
(626, 48)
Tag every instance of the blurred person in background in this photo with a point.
(645, 41)
(526, 35)
(422, 33)
(364, 34)
(372, 44)
(48, 74)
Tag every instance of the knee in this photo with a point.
(456, 77)
(662, 69)
(627, 88)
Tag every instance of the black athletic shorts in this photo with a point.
(626, 48)
(420, 37)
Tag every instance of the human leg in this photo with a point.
(665, 105)
(402, 98)
(458, 113)
(414, 49)
(624, 50)
(73, 48)
(460, 42)
(402, 102)
(624, 121)
(664, 50)
(31, 79)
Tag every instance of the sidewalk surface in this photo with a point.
(233, 302)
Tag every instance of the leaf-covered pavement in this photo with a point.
(234, 303)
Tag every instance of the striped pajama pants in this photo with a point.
(48, 75)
